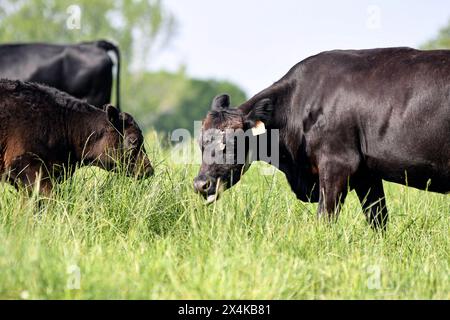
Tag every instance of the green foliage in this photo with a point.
(167, 101)
(195, 103)
(155, 239)
(442, 40)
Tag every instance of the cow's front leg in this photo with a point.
(371, 195)
(333, 183)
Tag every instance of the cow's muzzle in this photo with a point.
(206, 187)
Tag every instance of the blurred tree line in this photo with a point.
(180, 100)
(141, 28)
(441, 41)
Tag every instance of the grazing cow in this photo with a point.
(347, 119)
(83, 70)
(45, 134)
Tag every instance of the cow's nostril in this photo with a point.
(202, 185)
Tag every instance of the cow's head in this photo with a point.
(223, 159)
(121, 143)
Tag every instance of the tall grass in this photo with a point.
(103, 235)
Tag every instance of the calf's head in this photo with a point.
(225, 153)
(121, 144)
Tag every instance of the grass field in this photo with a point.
(106, 236)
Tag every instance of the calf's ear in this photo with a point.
(258, 116)
(113, 115)
(220, 102)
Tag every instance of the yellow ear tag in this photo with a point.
(259, 128)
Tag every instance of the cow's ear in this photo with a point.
(220, 102)
(259, 115)
(113, 115)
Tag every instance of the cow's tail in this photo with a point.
(108, 46)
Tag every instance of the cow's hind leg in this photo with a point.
(26, 172)
(371, 195)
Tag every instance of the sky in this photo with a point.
(255, 42)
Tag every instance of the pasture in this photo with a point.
(103, 235)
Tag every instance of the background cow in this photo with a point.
(83, 70)
(347, 119)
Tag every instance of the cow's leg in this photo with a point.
(33, 177)
(29, 173)
(333, 183)
(371, 195)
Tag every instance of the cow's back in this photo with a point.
(22, 61)
(395, 100)
(83, 70)
(29, 110)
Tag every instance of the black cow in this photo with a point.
(83, 70)
(348, 119)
